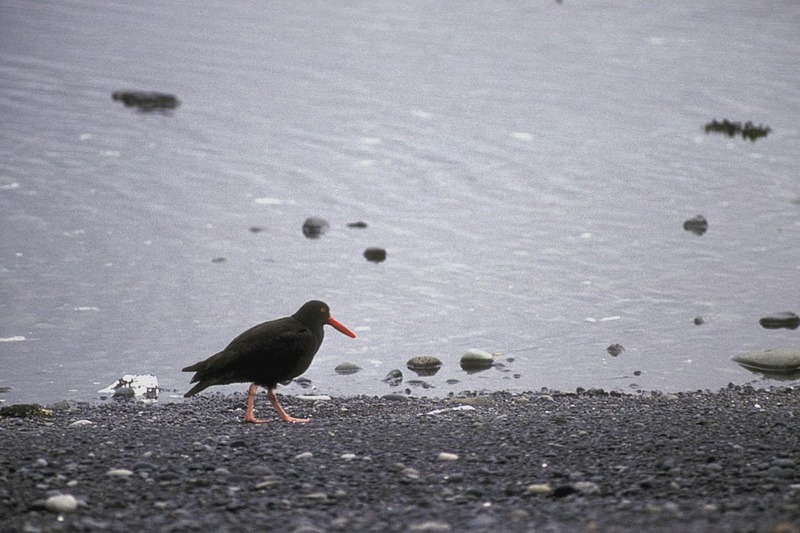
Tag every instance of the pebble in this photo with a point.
(446, 456)
(81, 423)
(424, 365)
(61, 503)
(394, 378)
(539, 488)
(375, 255)
(119, 472)
(430, 525)
(303, 456)
(345, 369)
(315, 227)
(697, 225)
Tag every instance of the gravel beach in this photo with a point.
(540, 462)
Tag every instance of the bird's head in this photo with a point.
(318, 313)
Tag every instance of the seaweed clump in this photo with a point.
(747, 130)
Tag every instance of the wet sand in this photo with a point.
(543, 462)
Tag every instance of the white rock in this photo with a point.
(539, 488)
(348, 456)
(446, 409)
(777, 360)
(119, 472)
(586, 487)
(446, 456)
(303, 456)
(80, 423)
(62, 503)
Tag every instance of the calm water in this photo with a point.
(527, 165)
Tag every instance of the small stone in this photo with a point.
(697, 225)
(430, 525)
(345, 369)
(360, 224)
(394, 378)
(375, 255)
(119, 472)
(411, 473)
(218, 260)
(446, 456)
(615, 349)
(699, 321)
(303, 456)
(348, 456)
(61, 503)
(539, 488)
(315, 227)
(476, 360)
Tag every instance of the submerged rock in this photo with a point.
(394, 378)
(147, 101)
(315, 227)
(360, 224)
(786, 320)
(475, 360)
(375, 255)
(347, 369)
(777, 363)
(615, 349)
(697, 225)
(424, 365)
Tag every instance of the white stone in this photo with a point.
(119, 472)
(303, 456)
(62, 503)
(446, 456)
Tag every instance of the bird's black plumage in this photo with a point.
(266, 354)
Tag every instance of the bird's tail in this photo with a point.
(197, 388)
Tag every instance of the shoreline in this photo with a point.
(726, 460)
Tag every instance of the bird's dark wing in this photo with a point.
(266, 354)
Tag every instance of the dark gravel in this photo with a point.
(724, 461)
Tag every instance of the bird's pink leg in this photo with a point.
(249, 417)
(281, 413)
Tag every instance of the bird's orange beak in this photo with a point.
(341, 327)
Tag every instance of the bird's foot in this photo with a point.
(253, 420)
(294, 420)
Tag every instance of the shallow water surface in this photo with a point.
(527, 167)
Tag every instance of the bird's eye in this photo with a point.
(323, 310)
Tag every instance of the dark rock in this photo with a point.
(24, 410)
(786, 320)
(124, 393)
(347, 369)
(697, 225)
(394, 378)
(147, 101)
(424, 365)
(218, 260)
(359, 224)
(698, 321)
(615, 349)
(375, 255)
(256, 229)
(315, 227)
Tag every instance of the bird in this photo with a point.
(272, 352)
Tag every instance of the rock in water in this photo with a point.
(615, 349)
(375, 255)
(475, 360)
(786, 320)
(394, 378)
(147, 101)
(697, 225)
(315, 227)
(424, 365)
(771, 362)
(347, 369)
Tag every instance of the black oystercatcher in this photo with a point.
(267, 354)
